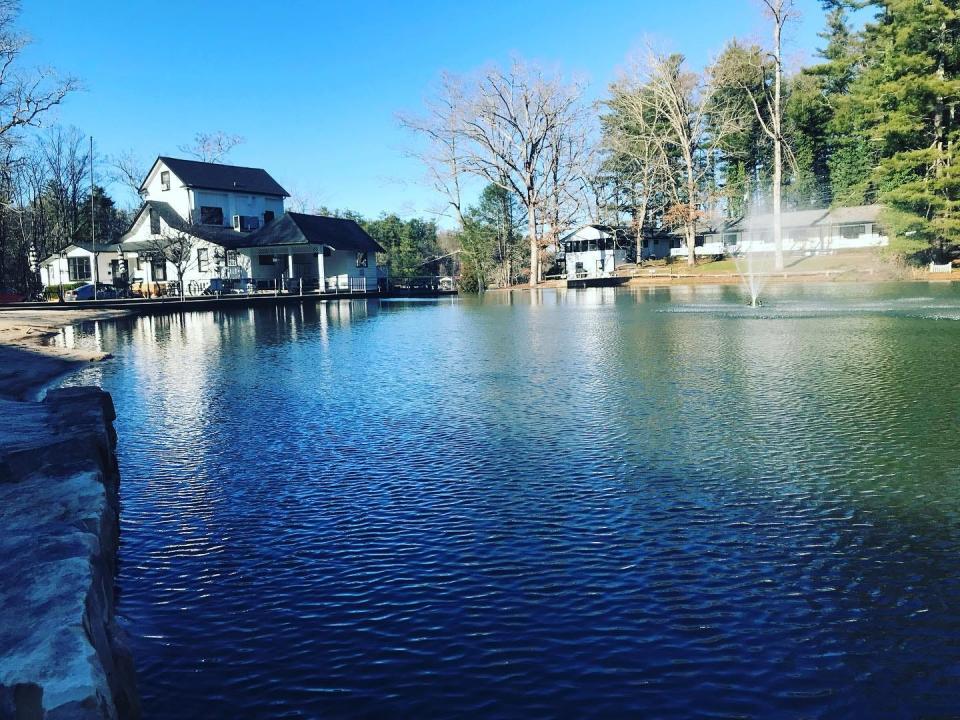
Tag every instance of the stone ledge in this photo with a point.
(63, 656)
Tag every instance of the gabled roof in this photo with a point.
(300, 229)
(809, 218)
(220, 235)
(89, 247)
(216, 176)
(852, 215)
(596, 231)
(288, 229)
(764, 221)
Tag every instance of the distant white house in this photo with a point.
(810, 232)
(82, 262)
(237, 233)
(593, 251)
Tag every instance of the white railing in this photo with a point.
(934, 268)
(345, 283)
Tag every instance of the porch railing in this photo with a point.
(344, 283)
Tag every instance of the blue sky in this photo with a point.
(315, 87)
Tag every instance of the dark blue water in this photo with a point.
(571, 504)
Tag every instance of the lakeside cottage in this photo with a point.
(593, 250)
(596, 250)
(229, 227)
(809, 232)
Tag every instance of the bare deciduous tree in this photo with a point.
(518, 129)
(175, 246)
(514, 127)
(442, 127)
(211, 147)
(690, 128)
(632, 141)
(128, 170)
(761, 83)
(67, 158)
(25, 95)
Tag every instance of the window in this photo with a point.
(164, 180)
(154, 221)
(159, 269)
(211, 215)
(246, 223)
(265, 259)
(203, 262)
(646, 242)
(698, 241)
(139, 263)
(592, 245)
(852, 231)
(361, 260)
(730, 239)
(78, 268)
(231, 258)
(267, 216)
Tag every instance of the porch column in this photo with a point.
(320, 271)
(289, 264)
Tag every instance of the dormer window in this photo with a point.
(165, 180)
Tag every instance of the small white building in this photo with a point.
(593, 251)
(81, 262)
(226, 226)
(807, 232)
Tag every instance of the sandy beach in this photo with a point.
(26, 362)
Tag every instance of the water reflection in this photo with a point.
(609, 503)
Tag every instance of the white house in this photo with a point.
(593, 251)
(226, 226)
(809, 232)
(82, 262)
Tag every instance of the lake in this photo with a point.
(594, 503)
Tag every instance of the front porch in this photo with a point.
(295, 271)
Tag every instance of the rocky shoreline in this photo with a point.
(62, 654)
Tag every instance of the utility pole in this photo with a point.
(93, 229)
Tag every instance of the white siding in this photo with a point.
(177, 196)
(817, 239)
(236, 204)
(56, 269)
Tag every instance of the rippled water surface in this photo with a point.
(652, 503)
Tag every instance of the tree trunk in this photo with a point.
(777, 119)
(690, 230)
(777, 219)
(639, 223)
(534, 245)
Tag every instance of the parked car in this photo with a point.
(9, 295)
(85, 292)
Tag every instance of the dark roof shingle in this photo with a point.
(300, 229)
(214, 176)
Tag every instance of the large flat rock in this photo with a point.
(61, 653)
